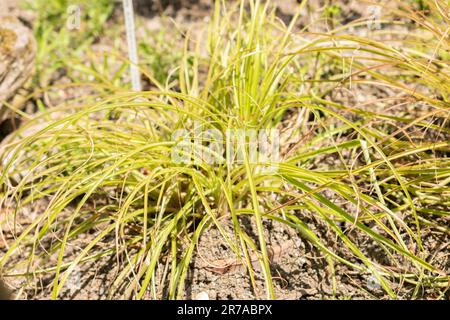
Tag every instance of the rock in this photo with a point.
(202, 296)
(17, 53)
(5, 293)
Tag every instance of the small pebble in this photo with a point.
(202, 296)
(373, 283)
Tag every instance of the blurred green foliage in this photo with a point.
(58, 37)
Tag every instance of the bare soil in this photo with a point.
(299, 270)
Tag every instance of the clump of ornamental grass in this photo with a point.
(111, 167)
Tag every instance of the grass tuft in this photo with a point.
(114, 177)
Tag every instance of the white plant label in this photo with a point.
(131, 43)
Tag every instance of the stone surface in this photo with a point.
(17, 53)
(5, 293)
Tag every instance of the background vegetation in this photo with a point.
(364, 175)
